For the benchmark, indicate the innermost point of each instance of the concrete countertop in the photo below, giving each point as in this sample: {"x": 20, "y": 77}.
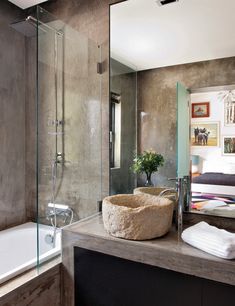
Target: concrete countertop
{"x": 167, "y": 252}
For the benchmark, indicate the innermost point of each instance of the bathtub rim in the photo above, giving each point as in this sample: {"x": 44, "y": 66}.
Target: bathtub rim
{"x": 47, "y": 256}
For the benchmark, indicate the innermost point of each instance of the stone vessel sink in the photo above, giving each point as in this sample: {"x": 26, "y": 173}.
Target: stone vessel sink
{"x": 170, "y": 194}
{"x": 137, "y": 217}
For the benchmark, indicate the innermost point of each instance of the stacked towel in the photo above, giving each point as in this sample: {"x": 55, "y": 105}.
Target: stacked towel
{"x": 210, "y": 239}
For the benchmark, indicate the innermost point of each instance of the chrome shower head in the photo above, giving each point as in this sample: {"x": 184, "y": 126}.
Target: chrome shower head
{"x": 27, "y": 27}
{"x": 24, "y": 27}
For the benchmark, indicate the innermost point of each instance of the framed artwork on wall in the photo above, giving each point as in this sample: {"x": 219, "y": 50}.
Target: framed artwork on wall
{"x": 205, "y": 134}
{"x": 228, "y": 145}
{"x": 201, "y": 110}
{"x": 229, "y": 113}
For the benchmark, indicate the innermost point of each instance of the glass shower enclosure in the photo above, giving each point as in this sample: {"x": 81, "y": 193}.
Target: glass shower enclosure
{"x": 68, "y": 128}
{"x": 62, "y": 136}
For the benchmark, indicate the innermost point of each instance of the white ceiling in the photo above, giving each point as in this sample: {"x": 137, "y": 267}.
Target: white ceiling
{"x": 26, "y": 3}
{"x": 145, "y": 35}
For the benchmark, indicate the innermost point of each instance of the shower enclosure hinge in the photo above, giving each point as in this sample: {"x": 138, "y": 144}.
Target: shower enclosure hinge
{"x": 99, "y": 68}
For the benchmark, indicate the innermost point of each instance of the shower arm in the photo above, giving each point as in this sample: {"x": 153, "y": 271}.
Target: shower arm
{"x": 35, "y": 22}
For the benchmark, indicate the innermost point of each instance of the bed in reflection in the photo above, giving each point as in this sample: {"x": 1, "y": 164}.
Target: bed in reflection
{"x": 214, "y": 193}
{"x": 222, "y": 183}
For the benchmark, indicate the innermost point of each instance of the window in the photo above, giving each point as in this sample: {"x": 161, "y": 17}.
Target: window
{"x": 115, "y": 130}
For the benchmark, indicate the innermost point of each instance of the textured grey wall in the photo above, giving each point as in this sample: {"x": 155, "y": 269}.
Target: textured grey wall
{"x": 157, "y": 87}
{"x": 157, "y": 105}
{"x": 12, "y": 120}
{"x": 30, "y": 128}
{"x": 79, "y": 180}
{"x": 78, "y": 98}
{"x": 91, "y": 18}
{"x": 157, "y": 96}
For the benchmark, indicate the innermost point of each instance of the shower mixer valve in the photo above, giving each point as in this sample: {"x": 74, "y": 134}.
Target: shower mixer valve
{"x": 54, "y": 122}
{"x": 62, "y": 210}
{"x": 60, "y": 207}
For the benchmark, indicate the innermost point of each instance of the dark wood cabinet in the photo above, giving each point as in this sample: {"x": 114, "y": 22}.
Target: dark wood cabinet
{"x": 103, "y": 280}
{"x": 217, "y": 294}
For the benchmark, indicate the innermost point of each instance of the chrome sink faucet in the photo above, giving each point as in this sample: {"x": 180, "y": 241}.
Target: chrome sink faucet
{"x": 168, "y": 190}
{"x": 183, "y": 191}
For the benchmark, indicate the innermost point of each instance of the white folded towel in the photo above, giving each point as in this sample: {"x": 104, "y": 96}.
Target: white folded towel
{"x": 210, "y": 239}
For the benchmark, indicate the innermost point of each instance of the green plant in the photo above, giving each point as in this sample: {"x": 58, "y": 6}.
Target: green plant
{"x": 147, "y": 162}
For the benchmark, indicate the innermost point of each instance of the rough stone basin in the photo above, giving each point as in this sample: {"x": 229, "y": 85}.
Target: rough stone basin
{"x": 137, "y": 217}
{"x": 170, "y": 194}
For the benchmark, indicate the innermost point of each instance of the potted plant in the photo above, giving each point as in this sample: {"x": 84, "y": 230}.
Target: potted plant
{"x": 148, "y": 162}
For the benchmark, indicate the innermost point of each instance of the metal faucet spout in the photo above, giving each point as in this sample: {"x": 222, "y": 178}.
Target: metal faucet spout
{"x": 167, "y": 190}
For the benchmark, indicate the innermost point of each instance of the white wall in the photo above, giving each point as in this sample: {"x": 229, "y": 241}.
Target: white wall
{"x": 211, "y": 158}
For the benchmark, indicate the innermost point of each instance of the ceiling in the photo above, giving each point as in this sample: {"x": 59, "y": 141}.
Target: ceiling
{"x": 145, "y": 35}
{"x": 23, "y": 4}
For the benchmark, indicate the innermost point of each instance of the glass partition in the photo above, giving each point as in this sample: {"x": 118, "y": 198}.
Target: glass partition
{"x": 68, "y": 130}
{"x": 183, "y": 135}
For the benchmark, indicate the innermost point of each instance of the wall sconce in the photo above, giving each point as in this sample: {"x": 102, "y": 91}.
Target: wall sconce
{"x": 195, "y": 159}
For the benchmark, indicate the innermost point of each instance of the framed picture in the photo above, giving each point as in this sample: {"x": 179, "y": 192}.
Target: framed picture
{"x": 228, "y": 145}
{"x": 229, "y": 113}
{"x": 205, "y": 134}
{"x": 201, "y": 110}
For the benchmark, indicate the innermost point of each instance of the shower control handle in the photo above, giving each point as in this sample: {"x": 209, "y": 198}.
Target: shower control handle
{"x": 59, "y": 157}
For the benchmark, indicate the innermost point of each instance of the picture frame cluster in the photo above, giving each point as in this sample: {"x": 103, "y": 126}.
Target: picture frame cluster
{"x": 207, "y": 133}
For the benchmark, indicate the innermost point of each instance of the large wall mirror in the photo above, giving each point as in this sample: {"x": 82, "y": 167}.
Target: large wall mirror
{"x": 212, "y": 150}
{"x": 172, "y": 76}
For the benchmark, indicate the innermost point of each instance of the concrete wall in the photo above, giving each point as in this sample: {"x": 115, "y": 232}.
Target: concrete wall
{"x": 157, "y": 105}
{"x": 157, "y": 94}
{"x": 30, "y": 128}
{"x": 79, "y": 179}
{"x": 85, "y": 177}
{"x": 12, "y": 119}
{"x": 157, "y": 98}
{"x": 91, "y": 18}
{"x": 75, "y": 84}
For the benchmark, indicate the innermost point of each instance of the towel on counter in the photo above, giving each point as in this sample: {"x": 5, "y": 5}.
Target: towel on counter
{"x": 210, "y": 239}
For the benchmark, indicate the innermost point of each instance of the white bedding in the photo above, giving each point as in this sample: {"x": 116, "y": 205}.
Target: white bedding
{"x": 213, "y": 189}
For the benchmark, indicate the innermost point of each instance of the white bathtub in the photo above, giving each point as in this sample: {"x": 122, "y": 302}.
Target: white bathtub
{"x": 18, "y": 248}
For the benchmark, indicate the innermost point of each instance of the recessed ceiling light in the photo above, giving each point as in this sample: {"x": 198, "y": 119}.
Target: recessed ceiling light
{"x": 24, "y": 4}
{"x": 164, "y": 2}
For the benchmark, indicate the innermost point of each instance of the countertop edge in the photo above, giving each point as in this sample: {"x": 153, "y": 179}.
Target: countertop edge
{"x": 164, "y": 256}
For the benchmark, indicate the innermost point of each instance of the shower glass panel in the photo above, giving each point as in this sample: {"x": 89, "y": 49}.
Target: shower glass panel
{"x": 68, "y": 130}
{"x": 183, "y": 135}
